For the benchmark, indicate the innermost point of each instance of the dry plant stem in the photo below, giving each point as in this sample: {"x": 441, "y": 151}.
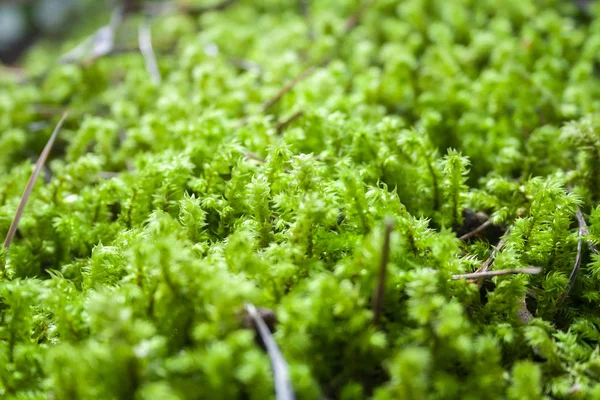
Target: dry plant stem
{"x": 355, "y": 18}
{"x": 31, "y": 183}
{"x": 281, "y": 126}
{"x": 269, "y": 103}
{"x": 254, "y": 156}
{"x": 487, "y": 263}
{"x": 350, "y": 24}
{"x": 145, "y": 42}
{"x": 385, "y": 257}
{"x": 491, "y": 274}
{"x": 172, "y": 7}
{"x": 283, "y": 386}
{"x": 583, "y": 231}
{"x": 477, "y": 230}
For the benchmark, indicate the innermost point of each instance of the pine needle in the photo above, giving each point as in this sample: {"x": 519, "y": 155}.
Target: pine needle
{"x": 283, "y": 386}
{"x": 31, "y": 183}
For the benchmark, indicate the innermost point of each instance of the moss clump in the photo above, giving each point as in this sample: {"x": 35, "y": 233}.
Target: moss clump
{"x": 168, "y": 207}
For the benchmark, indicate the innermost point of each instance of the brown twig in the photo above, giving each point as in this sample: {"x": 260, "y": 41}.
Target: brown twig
{"x": 385, "y": 257}
{"x": 282, "y": 125}
{"x": 500, "y": 272}
{"x": 283, "y": 386}
{"x": 476, "y": 231}
{"x": 30, "y": 184}
{"x": 145, "y": 43}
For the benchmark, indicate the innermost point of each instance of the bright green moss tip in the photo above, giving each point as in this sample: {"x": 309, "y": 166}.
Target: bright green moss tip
{"x": 166, "y": 208}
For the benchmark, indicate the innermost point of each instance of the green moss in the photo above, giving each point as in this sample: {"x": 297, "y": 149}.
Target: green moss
{"x": 167, "y": 208}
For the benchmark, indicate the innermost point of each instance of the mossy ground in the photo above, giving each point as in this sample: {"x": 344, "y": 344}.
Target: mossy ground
{"x": 167, "y": 207}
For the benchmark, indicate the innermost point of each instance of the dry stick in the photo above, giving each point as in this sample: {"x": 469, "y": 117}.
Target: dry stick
{"x": 385, "y": 257}
{"x": 32, "y": 179}
{"x": 500, "y": 272}
{"x": 285, "y": 123}
{"x": 145, "y": 42}
{"x": 283, "y": 386}
{"x": 477, "y": 230}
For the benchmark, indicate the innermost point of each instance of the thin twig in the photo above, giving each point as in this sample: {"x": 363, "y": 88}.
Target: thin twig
{"x": 582, "y": 232}
{"x": 355, "y": 18}
{"x": 500, "y": 272}
{"x": 145, "y": 42}
{"x": 246, "y": 65}
{"x": 269, "y": 103}
{"x": 477, "y": 230}
{"x": 283, "y": 386}
{"x": 385, "y": 258}
{"x": 286, "y": 122}
{"x": 487, "y": 263}
{"x": 254, "y": 156}
{"x": 32, "y": 179}
{"x": 350, "y": 24}
{"x": 172, "y": 7}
